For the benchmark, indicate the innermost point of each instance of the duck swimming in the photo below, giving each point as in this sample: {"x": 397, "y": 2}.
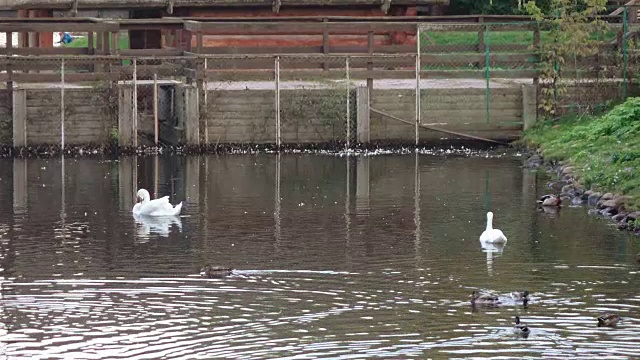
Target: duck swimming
{"x": 608, "y": 319}
{"x": 549, "y": 200}
{"x": 484, "y": 299}
{"x": 520, "y": 328}
{"x": 521, "y": 296}
{"x": 215, "y": 271}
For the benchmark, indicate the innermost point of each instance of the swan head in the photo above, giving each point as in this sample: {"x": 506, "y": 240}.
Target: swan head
{"x": 489, "y": 216}
{"x": 142, "y": 195}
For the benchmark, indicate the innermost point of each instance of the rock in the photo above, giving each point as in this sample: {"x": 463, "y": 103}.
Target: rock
{"x": 593, "y": 212}
{"x": 586, "y": 194}
{"x": 567, "y": 189}
{"x": 567, "y": 170}
{"x": 577, "y": 201}
{"x": 609, "y": 212}
{"x": 622, "y": 226}
{"x": 534, "y": 161}
{"x": 613, "y": 203}
{"x": 557, "y": 185}
{"x": 633, "y": 216}
{"x": 568, "y": 179}
{"x": 619, "y": 217}
{"x": 594, "y": 198}
{"x": 607, "y": 196}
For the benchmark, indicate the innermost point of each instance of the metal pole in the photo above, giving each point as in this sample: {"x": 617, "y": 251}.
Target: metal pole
{"x": 487, "y": 64}
{"x": 417, "y": 85}
{"x": 206, "y": 109}
{"x": 135, "y": 103}
{"x": 62, "y": 109}
{"x": 624, "y": 55}
{"x": 348, "y": 105}
{"x": 155, "y": 107}
{"x": 277, "y": 77}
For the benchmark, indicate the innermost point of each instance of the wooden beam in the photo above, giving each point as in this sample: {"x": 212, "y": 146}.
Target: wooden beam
{"x": 302, "y": 28}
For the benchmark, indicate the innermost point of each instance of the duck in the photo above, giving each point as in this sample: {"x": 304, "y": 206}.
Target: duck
{"x": 490, "y": 234}
{"x": 215, "y": 271}
{"x": 520, "y": 328}
{"x": 608, "y": 319}
{"x": 519, "y": 296}
{"x": 156, "y": 207}
{"x": 484, "y": 299}
{"x": 550, "y": 200}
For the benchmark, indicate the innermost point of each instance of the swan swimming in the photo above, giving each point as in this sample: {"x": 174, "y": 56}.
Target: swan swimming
{"x": 155, "y": 207}
{"x": 490, "y": 234}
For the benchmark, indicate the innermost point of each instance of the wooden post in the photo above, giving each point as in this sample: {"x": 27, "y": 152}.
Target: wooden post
{"x": 277, "y": 100}
{"x": 369, "y": 64}
{"x": 115, "y": 46}
{"x": 90, "y": 45}
{"x": 363, "y": 114}
{"x": 19, "y": 117}
{"x": 325, "y": 44}
{"x": 199, "y": 42}
{"x": 9, "y": 37}
{"x": 529, "y": 105}
{"x": 191, "y": 111}
{"x": 99, "y": 43}
{"x": 125, "y": 115}
{"x": 155, "y": 108}
{"x": 481, "y": 46}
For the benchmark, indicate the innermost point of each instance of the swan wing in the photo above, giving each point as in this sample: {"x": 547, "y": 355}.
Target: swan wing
{"x": 160, "y": 207}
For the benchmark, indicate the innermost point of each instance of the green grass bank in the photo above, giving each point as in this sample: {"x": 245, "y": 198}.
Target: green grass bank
{"x": 604, "y": 150}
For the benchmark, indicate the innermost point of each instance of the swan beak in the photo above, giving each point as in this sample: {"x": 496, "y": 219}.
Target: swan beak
{"x": 138, "y": 199}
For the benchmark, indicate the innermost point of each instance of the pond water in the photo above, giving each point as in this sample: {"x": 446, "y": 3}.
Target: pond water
{"x": 336, "y": 257}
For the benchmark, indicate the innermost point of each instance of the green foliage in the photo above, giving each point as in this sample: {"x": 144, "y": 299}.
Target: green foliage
{"x": 574, "y": 32}
{"x": 498, "y": 7}
{"x": 605, "y": 150}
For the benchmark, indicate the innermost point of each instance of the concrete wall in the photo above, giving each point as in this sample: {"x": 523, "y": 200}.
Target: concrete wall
{"x": 88, "y": 116}
{"x": 307, "y": 116}
{"x": 461, "y": 110}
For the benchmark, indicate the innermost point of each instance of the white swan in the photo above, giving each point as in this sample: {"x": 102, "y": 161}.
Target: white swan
{"x": 160, "y": 225}
{"x": 155, "y": 207}
{"x": 490, "y": 234}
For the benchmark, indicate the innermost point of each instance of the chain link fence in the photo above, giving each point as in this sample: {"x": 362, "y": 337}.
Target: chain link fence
{"x": 463, "y": 81}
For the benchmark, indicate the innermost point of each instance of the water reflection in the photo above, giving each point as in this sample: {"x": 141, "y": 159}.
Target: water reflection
{"x": 336, "y": 257}
{"x": 160, "y": 225}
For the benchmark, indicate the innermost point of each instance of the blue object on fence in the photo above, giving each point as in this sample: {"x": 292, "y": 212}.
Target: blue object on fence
{"x": 66, "y": 38}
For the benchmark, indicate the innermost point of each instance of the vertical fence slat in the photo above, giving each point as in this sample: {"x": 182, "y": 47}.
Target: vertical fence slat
{"x": 418, "y": 66}
{"x": 62, "y": 108}
{"x": 277, "y": 80}
{"x": 134, "y": 101}
{"x": 155, "y": 108}
{"x": 348, "y": 104}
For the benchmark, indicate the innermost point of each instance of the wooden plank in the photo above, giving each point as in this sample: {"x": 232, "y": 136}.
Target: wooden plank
{"x": 55, "y": 78}
{"x": 301, "y": 28}
{"x": 151, "y": 52}
{"x": 32, "y": 51}
{"x": 55, "y": 26}
{"x": 261, "y": 50}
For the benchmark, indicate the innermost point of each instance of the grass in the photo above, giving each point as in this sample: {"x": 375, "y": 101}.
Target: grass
{"x": 604, "y": 150}
{"x": 83, "y": 42}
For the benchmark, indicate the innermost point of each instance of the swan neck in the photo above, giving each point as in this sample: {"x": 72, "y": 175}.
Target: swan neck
{"x": 489, "y": 222}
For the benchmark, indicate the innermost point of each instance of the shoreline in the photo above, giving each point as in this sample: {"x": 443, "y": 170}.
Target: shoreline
{"x": 565, "y": 184}
{"x": 444, "y": 146}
